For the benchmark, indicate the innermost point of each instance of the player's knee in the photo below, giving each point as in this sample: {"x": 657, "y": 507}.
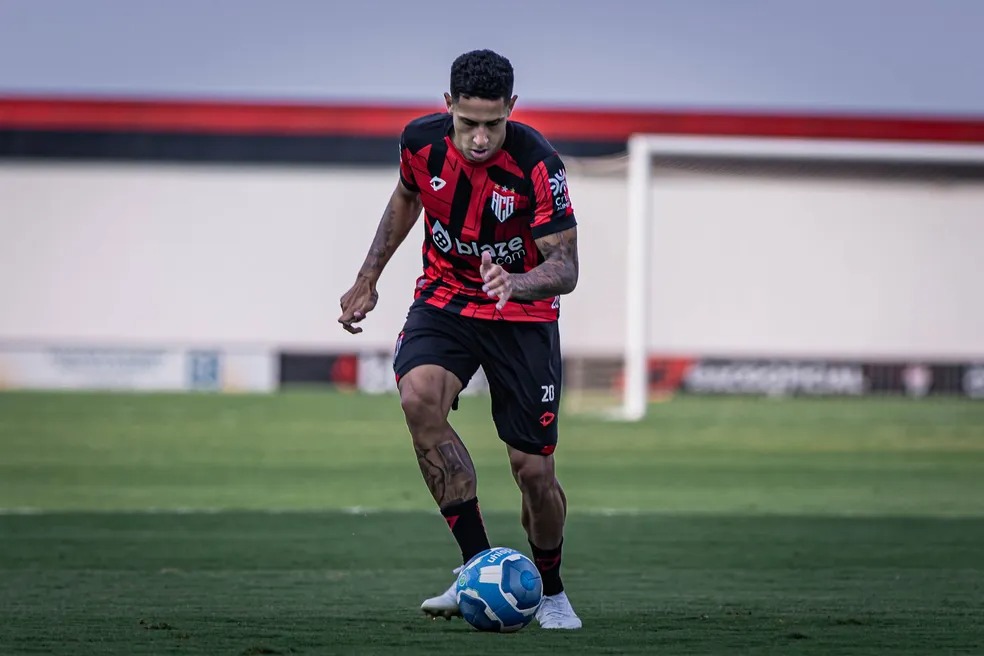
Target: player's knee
{"x": 421, "y": 407}
{"x": 534, "y": 474}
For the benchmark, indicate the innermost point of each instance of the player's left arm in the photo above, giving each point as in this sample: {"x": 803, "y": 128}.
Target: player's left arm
{"x": 556, "y": 275}
{"x": 555, "y": 233}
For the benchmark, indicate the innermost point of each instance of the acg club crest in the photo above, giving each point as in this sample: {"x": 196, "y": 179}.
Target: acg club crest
{"x": 503, "y": 204}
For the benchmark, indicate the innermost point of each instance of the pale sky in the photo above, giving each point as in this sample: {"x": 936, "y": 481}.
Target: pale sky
{"x": 883, "y": 56}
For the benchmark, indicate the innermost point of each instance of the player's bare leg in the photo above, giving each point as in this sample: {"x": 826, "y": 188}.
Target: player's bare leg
{"x": 544, "y": 508}
{"x": 426, "y": 394}
{"x": 544, "y": 512}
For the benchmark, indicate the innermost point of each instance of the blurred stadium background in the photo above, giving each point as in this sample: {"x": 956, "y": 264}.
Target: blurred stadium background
{"x": 195, "y": 458}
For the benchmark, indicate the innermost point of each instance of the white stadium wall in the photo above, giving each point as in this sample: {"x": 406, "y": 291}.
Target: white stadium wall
{"x": 807, "y": 266}
{"x": 256, "y": 257}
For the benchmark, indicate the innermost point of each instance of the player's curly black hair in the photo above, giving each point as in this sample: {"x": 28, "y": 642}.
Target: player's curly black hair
{"x": 481, "y": 74}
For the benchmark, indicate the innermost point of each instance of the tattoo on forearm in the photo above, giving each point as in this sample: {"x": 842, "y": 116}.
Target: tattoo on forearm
{"x": 398, "y": 217}
{"x": 381, "y": 248}
{"x": 448, "y": 472}
{"x": 557, "y": 274}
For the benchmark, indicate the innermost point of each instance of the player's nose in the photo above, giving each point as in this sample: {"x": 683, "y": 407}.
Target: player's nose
{"x": 481, "y": 137}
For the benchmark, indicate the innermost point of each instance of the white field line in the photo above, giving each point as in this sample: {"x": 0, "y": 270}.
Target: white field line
{"x": 355, "y": 510}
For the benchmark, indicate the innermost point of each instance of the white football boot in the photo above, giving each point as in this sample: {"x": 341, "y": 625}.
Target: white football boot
{"x": 556, "y": 612}
{"x": 444, "y": 605}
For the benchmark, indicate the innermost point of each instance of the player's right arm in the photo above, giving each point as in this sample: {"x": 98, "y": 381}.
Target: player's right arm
{"x": 399, "y": 217}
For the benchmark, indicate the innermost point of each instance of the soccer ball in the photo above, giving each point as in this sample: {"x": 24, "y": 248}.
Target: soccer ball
{"x": 499, "y": 590}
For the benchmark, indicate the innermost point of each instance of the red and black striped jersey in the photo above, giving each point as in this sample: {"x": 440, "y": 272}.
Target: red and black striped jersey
{"x": 501, "y": 205}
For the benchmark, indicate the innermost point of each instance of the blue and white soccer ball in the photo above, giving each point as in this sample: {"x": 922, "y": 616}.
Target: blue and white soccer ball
{"x": 499, "y": 590}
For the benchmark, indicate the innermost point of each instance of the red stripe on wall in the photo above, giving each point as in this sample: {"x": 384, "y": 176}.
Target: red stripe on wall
{"x": 382, "y": 120}
{"x": 204, "y": 117}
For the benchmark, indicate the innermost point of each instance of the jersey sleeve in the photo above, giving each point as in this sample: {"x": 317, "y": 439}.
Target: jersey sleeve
{"x": 553, "y": 211}
{"x": 406, "y": 169}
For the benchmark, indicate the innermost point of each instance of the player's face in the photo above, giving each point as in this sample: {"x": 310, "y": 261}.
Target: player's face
{"x": 479, "y": 125}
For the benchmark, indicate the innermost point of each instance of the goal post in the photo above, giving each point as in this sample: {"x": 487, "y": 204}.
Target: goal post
{"x": 644, "y": 151}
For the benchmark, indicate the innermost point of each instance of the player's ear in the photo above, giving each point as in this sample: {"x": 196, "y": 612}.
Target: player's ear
{"x": 511, "y": 104}
{"x": 448, "y": 101}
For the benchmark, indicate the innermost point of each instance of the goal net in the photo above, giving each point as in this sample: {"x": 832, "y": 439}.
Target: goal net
{"x": 754, "y": 265}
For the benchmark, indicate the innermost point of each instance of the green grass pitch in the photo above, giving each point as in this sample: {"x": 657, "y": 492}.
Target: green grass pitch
{"x": 298, "y": 523}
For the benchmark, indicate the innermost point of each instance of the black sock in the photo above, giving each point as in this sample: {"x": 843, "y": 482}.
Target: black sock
{"x": 465, "y": 521}
{"x": 548, "y": 562}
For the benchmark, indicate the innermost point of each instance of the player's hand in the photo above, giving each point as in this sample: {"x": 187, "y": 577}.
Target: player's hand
{"x": 497, "y": 280}
{"x": 356, "y": 304}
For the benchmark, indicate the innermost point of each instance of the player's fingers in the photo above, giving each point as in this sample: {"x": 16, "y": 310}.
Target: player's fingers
{"x": 503, "y": 290}
{"x": 351, "y": 317}
{"x": 348, "y": 324}
{"x": 493, "y": 277}
{"x": 489, "y": 270}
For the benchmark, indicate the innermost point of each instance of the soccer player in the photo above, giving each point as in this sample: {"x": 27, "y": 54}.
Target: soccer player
{"x": 500, "y": 248}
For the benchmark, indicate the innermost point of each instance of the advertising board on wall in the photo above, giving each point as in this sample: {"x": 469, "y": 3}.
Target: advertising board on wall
{"x": 61, "y": 367}
{"x": 810, "y": 377}
{"x": 67, "y": 367}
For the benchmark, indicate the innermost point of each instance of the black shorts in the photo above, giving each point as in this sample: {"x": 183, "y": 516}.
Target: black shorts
{"x": 521, "y": 361}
